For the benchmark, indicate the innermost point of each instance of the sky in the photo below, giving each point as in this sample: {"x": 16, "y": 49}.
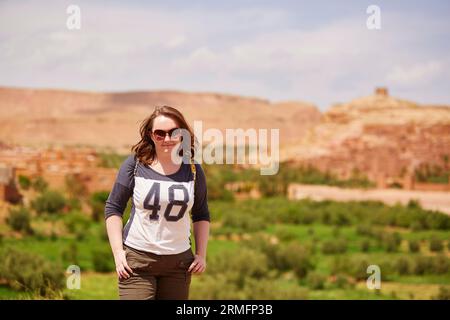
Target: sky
{"x": 315, "y": 51}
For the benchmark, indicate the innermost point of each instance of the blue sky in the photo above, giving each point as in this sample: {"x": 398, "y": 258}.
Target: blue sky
{"x": 314, "y": 51}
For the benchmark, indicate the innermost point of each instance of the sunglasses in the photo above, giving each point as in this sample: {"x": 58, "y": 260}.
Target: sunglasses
{"x": 161, "y": 134}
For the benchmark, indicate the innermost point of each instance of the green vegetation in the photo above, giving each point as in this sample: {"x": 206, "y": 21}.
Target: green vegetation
{"x": 97, "y": 202}
{"x": 39, "y": 184}
{"x": 19, "y": 220}
{"x": 24, "y": 182}
{"x": 49, "y": 202}
{"x": 434, "y": 173}
{"x": 29, "y": 272}
{"x": 270, "y": 248}
{"x": 111, "y": 160}
{"x": 273, "y": 186}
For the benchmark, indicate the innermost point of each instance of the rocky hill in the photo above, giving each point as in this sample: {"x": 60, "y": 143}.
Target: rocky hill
{"x": 377, "y": 135}
{"x": 56, "y": 117}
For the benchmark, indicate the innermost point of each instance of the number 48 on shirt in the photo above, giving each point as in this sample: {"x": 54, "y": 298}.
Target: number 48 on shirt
{"x": 154, "y": 206}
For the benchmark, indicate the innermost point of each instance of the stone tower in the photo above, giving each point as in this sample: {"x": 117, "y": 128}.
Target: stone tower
{"x": 381, "y": 91}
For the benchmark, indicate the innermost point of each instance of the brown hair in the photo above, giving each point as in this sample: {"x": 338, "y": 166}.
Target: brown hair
{"x": 145, "y": 149}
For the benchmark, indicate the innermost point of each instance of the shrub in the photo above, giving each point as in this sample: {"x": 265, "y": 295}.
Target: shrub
{"x": 24, "y": 182}
{"x": 364, "y": 230}
{"x": 246, "y": 222}
{"x": 403, "y": 266}
{"x": 444, "y": 293}
{"x": 285, "y": 235}
{"x": 102, "y": 260}
{"x": 365, "y": 245}
{"x": 19, "y": 220}
{"x": 39, "y": 184}
{"x": 340, "y": 219}
{"x": 216, "y": 287}
{"x": 77, "y": 222}
{"x": 239, "y": 266}
{"x": 334, "y": 246}
{"x": 431, "y": 265}
{"x": 359, "y": 269}
{"x": 30, "y": 272}
{"x": 341, "y": 281}
{"x": 50, "y": 202}
{"x": 422, "y": 265}
{"x": 414, "y": 246}
{"x": 97, "y": 203}
{"x": 413, "y": 204}
{"x": 440, "y": 265}
{"x": 70, "y": 254}
{"x": 336, "y": 231}
{"x": 392, "y": 241}
{"x": 266, "y": 289}
{"x": 73, "y": 204}
{"x": 306, "y": 217}
{"x": 436, "y": 245}
{"x": 293, "y": 257}
{"x": 316, "y": 281}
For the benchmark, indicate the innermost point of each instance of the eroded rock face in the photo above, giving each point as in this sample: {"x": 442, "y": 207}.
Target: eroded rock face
{"x": 377, "y": 135}
{"x": 59, "y": 117}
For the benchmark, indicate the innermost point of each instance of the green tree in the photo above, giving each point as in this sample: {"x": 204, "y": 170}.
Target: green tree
{"x": 39, "y": 184}
{"x": 97, "y": 203}
{"x": 24, "y": 182}
{"x": 50, "y": 202}
{"x": 19, "y": 220}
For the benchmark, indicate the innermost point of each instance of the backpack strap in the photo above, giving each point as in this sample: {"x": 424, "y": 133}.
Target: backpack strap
{"x": 134, "y": 172}
{"x": 194, "y": 172}
{"x": 135, "y": 167}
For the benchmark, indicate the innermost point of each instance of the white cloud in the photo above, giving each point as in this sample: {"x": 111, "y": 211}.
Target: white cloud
{"x": 416, "y": 74}
{"x": 250, "y": 51}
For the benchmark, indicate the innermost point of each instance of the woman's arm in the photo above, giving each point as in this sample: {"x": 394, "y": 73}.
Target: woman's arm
{"x": 114, "y": 230}
{"x": 114, "y": 208}
{"x": 201, "y": 234}
{"x": 200, "y": 219}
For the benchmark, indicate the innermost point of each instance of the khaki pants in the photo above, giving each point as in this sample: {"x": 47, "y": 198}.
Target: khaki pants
{"x": 156, "y": 277}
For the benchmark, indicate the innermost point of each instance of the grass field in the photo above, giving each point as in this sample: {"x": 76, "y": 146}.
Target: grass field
{"x": 234, "y": 251}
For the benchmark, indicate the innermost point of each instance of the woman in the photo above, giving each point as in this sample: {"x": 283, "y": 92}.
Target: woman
{"x": 153, "y": 253}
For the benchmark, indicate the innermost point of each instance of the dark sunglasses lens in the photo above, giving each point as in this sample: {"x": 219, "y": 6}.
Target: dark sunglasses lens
{"x": 160, "y": 134}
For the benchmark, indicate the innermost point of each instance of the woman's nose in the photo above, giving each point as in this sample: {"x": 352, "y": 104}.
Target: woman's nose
{"x": 167, "y": 137}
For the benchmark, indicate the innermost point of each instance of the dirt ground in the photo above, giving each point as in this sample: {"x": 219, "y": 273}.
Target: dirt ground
{"x": 432, "y": 200}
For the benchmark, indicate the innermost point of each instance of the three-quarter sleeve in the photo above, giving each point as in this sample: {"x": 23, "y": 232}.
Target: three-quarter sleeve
{"x": 200, "y": 210}
{"x": 122, "y": 189}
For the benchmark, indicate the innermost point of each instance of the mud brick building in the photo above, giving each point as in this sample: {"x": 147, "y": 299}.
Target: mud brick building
{"x": 8, "y": 189}
{"x": 55, "y": 164}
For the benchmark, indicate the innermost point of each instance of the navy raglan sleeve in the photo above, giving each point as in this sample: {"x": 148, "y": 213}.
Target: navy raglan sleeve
{"x": 200, "y": 210}
{"x": 122, "y": 189}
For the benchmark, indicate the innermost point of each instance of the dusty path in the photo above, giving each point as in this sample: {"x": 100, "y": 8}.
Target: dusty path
{"x": 432, "y": 200}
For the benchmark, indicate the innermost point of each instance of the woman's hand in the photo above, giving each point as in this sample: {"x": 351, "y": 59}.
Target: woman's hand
{"x": 122, "y": 267}
{"x": 198, "y": 266}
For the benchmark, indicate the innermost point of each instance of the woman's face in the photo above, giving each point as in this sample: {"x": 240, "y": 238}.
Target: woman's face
{"x": 162, "y": 126}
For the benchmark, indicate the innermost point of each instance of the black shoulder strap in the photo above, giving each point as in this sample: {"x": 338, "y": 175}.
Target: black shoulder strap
{"x": 194, "y": 172}
{"x": 135, "y": 167}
